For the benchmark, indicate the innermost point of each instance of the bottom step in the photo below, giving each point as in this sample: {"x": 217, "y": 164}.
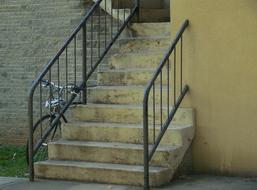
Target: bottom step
{"x": 101, "y": 172}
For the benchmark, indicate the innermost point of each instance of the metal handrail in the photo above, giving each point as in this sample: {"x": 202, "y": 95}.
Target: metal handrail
{"x": 37, "y": 84}
{"x": 151, "y": 86}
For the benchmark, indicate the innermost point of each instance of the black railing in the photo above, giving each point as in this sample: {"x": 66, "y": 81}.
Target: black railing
{"x": 75, "y": 64}
{"x": 167, "y": 92}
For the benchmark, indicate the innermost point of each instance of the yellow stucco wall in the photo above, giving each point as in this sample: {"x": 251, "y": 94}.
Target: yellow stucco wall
{"x": 220, "y": 49}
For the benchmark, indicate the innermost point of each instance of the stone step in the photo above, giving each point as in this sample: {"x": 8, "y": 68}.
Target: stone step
{"x": 111, "y": 152}
{"x": 176, "y": 135}
{"x": 161, "y": 29}
{"x": 101, "y": 172}
{"x": 127, "y": 95}
{"x": 132, "y": 114}
{"x": 129, "y": 77}
{"x": 135, "y": 60}
{"x": 116, "y": 94}
{"x": 144, "y": 44}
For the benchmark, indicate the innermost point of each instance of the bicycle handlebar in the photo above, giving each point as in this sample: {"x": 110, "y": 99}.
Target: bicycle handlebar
{"x": 74, "y": 88}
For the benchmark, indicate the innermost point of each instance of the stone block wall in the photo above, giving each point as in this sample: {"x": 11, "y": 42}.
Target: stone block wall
{"x": 31, "y": 32}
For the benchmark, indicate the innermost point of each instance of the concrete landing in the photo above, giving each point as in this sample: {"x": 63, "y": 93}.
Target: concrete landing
{"x": 195, "y": 182}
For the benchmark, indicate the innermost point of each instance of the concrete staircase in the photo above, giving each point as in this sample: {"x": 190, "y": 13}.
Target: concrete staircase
{"x": 103, "y": 142}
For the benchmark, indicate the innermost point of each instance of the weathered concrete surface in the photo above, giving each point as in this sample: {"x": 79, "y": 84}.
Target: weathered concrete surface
{"x": 114, "y": 132}
{"x": 196, "y": 182}
{"x": 111, "y": 152}
{"x": 102, "y": 172}
{"x": 126, "y": 114}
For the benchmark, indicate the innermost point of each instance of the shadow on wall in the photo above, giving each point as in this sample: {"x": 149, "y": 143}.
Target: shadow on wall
{"x": 157, "y": 4}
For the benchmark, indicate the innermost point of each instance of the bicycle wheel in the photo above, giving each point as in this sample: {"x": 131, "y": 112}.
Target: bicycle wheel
{"x": 40, "y": 127}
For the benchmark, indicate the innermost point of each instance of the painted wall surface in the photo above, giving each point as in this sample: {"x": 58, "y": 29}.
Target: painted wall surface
{"x": 220, "y": 53}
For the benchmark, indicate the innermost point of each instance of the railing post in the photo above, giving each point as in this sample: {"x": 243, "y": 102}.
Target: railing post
{"x": 146, "y": 150}
{"x": 30, "y": 116}
{"x": 84, "y": 62}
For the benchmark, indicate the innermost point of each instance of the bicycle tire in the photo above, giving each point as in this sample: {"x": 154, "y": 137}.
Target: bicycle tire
{"x": 55, "y": 134}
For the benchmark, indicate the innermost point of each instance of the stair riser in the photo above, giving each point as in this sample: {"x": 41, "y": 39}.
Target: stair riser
{"x": 126, "y": 96}
{"x": 137, "y": 45}
{"x": 127, "y": 115}
{"x": 123, "y": 78}
{"x": 135, "y": 61}
{"x": 129, "y": 78}
{"x": 173, "y": 137}
{"x": 100, "y": 175}
{"x": 109, "y": 155}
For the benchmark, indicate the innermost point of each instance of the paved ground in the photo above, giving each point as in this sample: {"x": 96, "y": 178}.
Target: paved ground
{"x": 196, "y": 182}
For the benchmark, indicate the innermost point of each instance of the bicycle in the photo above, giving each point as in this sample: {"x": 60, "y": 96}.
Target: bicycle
{"x": 54, "y": 105}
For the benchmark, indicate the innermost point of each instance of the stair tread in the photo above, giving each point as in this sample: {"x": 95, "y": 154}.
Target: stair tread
{"x": 127, "y": 70}
{"x": 116, "y": 145}
{"x": 121, "y": 106}
{"x": 123, "y": 87}
{"x": 140, "y": 53}
{"x": 153, "y": 24}
{"x": 137, "y": 87}
{"x": 97, "y": 165}
{"x": 143, "y": 53}
{"x": 120, "y": 125}
{"x": 153, "y": 38}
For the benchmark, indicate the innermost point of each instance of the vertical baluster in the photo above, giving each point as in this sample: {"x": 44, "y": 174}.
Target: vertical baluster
{"x": 181, "y": 63}
{"x": 154, "y": 127}
{"x": 168, "y": 86}
{"x": 174, "y": 76}
{"x": 161, "y": 98}
{"x": 105, "y": 25}
{"x": 84, "y": 64}
{"x": 50, "y": 89}
{"x": 58, "y": 81}
{"x": 99, "y": 32}
{"x": 40, "y": 107}
{"x": 91, "y": 53}
{"x": 66, "y": 71}
{"x": 75, "y": 61}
